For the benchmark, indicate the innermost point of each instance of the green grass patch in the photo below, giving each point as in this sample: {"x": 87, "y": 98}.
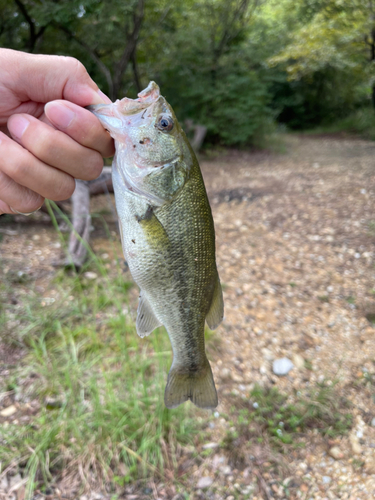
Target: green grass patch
{"x": 269, "y": 417}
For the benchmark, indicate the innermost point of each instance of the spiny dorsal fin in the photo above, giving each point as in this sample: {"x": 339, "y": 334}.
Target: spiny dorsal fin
{"x": 216, "y": 312}
{"x": 146, "y": 319}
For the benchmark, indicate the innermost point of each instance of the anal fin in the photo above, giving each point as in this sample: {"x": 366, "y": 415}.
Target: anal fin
{"x": 146, "y": 319}
{"x": 216, "y": 312}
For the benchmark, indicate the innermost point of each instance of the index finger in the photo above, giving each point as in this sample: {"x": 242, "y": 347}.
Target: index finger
{"x": 80, "y": 125}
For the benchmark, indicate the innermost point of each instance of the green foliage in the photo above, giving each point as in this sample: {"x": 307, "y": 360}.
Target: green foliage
{"x": 327, "y": 62}
{"x": 234, "y": 66}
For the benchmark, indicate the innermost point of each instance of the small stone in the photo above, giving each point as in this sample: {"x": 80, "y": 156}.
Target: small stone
{"x": 373, "y": 422}
{"x": 298, "y": 361}
{"x": 8, "y": 412}
{"x": 225, "y": 373}
{"x": 336, "y": 453}
{"x": 326, "y": 479}
{"x": 356, "y": 447}
{"x": 210, "y": 446}
{"x": 204, "y": 482}
{"x": 226, "y": 470}
{"x": 282, "y": 366}
{"x": 90, "y": 275}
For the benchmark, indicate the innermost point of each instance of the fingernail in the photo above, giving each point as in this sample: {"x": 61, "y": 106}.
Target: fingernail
{"x": 105, "y": 98}
{"x": 17, "y": 126}
{"x": 59, "y": 115}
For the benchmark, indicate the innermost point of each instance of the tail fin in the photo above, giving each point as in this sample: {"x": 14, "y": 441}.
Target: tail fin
{"x": 197, "y": 386}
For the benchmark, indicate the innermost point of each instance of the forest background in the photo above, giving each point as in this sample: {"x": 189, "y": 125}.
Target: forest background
{"x": 241, "y": 68}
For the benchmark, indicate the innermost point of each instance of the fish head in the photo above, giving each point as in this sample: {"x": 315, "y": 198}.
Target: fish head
{"x": 149, "y": 142}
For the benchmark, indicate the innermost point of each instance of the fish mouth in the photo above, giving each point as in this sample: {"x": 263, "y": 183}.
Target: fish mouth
{"x": 115, "y": 117}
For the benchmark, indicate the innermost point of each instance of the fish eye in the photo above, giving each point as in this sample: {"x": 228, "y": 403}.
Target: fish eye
{"x": 165, "y": 122}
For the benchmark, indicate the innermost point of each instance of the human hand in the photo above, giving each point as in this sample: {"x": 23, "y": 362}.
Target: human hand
{"x": 47, "y": 138}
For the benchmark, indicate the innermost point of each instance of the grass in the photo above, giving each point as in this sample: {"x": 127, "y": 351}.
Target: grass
{"x": 90, "y": 391}
{"x": 268, "y": 417}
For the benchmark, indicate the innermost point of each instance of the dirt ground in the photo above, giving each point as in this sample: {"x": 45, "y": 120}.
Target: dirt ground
{"x": 295, "y": 251}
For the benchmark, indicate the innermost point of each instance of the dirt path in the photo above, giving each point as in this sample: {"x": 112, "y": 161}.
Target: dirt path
{"x": 295, "y": 251}
{"x": 296, "y": 242}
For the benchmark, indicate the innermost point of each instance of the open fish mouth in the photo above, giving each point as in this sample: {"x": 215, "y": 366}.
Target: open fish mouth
{"x": 113, "y": 116}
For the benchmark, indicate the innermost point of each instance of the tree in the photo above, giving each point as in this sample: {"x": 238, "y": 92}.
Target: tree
{"x": 332, "y": 51}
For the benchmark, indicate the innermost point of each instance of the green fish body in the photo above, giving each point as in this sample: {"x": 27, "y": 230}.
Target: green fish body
{"x": 168, "y": 237}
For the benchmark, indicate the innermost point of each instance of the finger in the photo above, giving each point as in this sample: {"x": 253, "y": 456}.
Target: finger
{"x": 43, "y": 78}
{"x": 55, "y": 148}
{"x": 81, "y": 125}
{"x": 18, "y": 197}
{"x": 28, "y": 171}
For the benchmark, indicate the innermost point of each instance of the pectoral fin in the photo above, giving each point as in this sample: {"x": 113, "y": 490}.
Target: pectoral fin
{"x": 154, "y": 231}
{"x": 146, "y": 319}
{"x": 216, "y": 312}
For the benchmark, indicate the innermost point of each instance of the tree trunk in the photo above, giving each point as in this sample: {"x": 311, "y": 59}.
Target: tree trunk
{"x": 103, "y": 184}
{"x": 372, "y": 60}
{"x": 81, "y": 220}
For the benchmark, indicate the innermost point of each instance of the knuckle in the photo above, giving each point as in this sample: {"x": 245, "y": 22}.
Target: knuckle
{"x": 94, "y": 166}
{"x": 74, "y": 64}
{"x": 76, "y": 68}
{"x": 18, "y": 171}
{"x": 42, "y": 138}
{"x": 65, "y": 189}
{"x": 5, "y": 182}
{"x": 32, "y": 202}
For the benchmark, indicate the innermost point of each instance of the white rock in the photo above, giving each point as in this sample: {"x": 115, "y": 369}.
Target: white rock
{"x": 204, "y": 482}
{"x": 226, "y": 470}
{"x": 326, "y": 479}
{"x": 90, "y": 275}
{"x": 282, "y": 366}
{"x": 356, "y": 447}
{"x": 9, "y": 411}
{"x": 335, "y": 453}
{"x": 298, "y": 361}
{"x": 210, "y": 446}
{"x": 373, "y": 422}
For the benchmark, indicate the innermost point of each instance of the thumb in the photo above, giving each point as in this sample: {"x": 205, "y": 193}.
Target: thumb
{"x": 43, "y": 78}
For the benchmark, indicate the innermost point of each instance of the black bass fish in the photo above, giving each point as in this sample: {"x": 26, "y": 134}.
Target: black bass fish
{"x": 167, "y": 235}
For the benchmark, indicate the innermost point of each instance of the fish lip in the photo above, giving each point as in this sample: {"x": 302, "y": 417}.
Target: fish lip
{"x": 108, "y": 116}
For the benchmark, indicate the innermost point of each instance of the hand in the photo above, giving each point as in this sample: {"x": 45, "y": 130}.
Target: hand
{"x": 47, "y": 138}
